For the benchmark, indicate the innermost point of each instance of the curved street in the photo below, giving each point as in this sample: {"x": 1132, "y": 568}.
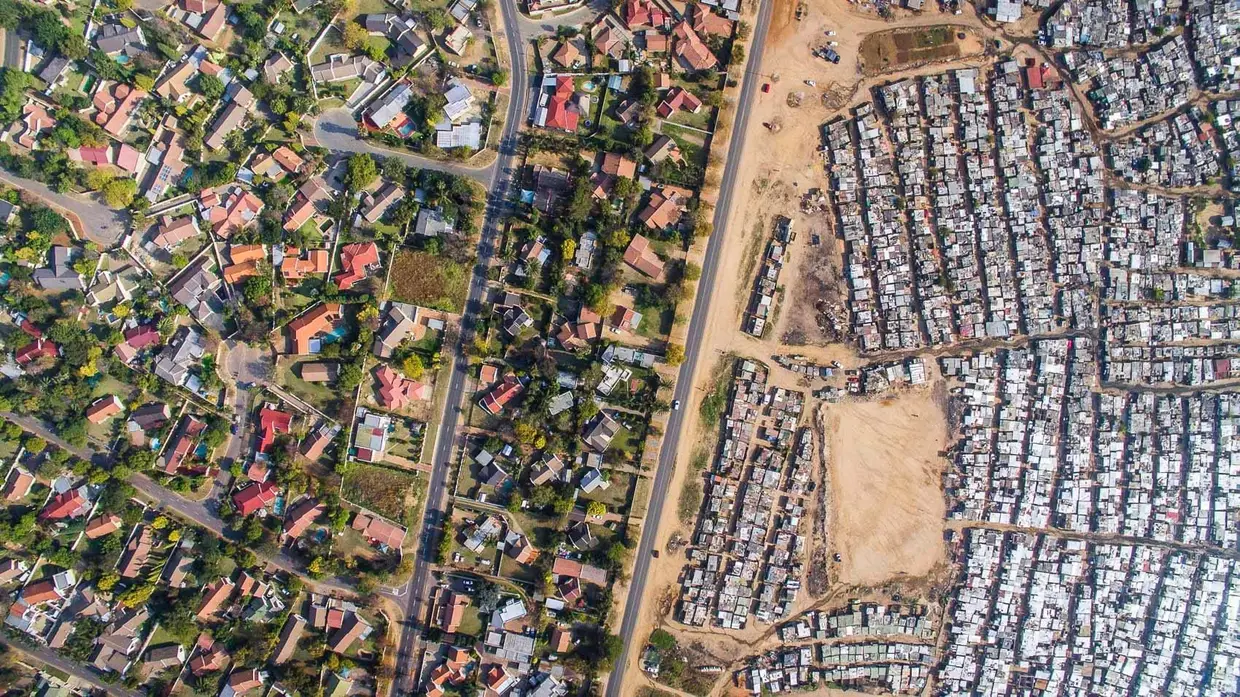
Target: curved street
{"x": 102, "y": 225}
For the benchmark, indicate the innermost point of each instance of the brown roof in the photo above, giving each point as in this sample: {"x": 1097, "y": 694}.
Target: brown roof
{"x": 642, "y": 257}
{"x": 217, "y": 593}
{"x": 347, "y": 634}
{"x": 103, "y": 525}
{"x": 691, "y": 50}
{"x": 663, "y": 210}
{"x": 289, "y": 636}
{"x": 309, "y": 324}
{"x": 618, "y": 165}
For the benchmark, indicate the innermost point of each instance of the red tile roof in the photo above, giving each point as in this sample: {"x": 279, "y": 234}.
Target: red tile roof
{"x": 69, "y": 504}
{"x": 355, "y": 260}
{"x": 271, "y": 422}
{"x": 560, "y": 113}
{"x": 254, "y": 497}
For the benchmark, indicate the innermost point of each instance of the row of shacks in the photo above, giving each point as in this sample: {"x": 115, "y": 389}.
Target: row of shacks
{"x": 859, "y": 619}
{"x": 746, "y": 554}
{"x": 1040, "y": 613}
{"x": 1041, "y": 447}
{"x": 766, "y": 285}
{"x": 895, "y": 667}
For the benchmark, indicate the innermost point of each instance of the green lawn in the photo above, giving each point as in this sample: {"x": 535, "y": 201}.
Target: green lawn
{"x": 615, "y": 496}
{"x": 320, "y": 394}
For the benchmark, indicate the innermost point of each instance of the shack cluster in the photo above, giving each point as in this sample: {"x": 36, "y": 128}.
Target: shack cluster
{"x": 746, "y": 554}
{"x": 1058, "y": 615}
{"x": 864, "y": 645}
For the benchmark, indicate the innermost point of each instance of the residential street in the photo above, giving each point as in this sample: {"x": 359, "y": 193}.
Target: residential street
{"x": 42, "y": 654}
{"x": 500, "y": 179}
{"x": 197, "y": 511}
{"x": 103, "y": 225}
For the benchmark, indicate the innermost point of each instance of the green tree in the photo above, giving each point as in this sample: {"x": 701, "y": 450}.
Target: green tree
{"x": 119, "y": 193}
{"x": 360, "y": 172}
{"x": 596, "y": 509}
{"x": 412, "y": 366}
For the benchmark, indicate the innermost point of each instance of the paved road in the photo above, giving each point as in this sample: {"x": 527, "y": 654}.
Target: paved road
{"x": 42, "y": 654}
{"x": 693, "y": 348}
{"x": 335, "y": 129}
{"x": 500, "y": 178}
{"x": 104, "y": 226}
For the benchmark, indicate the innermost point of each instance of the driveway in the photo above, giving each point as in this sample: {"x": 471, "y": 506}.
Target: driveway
{"x": 243, "y": 365}
{"x": 335, "y": 129}
{"x": 101, "y": 224}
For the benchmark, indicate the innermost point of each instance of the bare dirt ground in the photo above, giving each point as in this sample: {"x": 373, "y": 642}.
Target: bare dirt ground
{"x": 884, "y": 463}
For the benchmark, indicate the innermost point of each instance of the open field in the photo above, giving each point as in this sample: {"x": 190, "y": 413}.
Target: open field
{"x": 901, "y": 48}
{"x": 389, "y": 492}
{"x": 429, "y": 281}
{"x": 884, "y": 463}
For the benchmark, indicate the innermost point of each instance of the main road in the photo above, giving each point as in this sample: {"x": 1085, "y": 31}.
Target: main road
{"x": 693, "y": 349}
{"x": 501, "y": 177}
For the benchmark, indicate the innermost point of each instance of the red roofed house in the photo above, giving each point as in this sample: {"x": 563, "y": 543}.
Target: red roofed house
{"x": 17, "y": 484}
{"x": 706, "y": 22}
{"x": 664, "y": 208}
{"x": 301, "y": 516}
{"x": 451, "y": 611}
{"x": 642, "y": 13}
{"x": 104, "y": 408}
{"x": 319, "y": 320}
{"x": 40, "y": 592}
{"x": 679, "y": 98}
{"x": 142, "y": 336}
{"x": 271, "y": 422}
{"x": 209, "y": 656}
{"x": 183, "y": 442}
{"x": 397, "y": 391}
{"x": 344, "y": 637}
{"x": 39, "y": 348}
{"x": 561, "y": 112}
{"x": 68, "y": 504}
{"x": 503, "y": 393}
{"x": 357, "y": 260}
{"x": 641, "y": 256}
{"x": 690, "y": 49}
{"x": 498, "y": 680}
{"x": 295, "y": 267}
{"x": 378, "y": 530}
{"x": 103, "y": 525}
{"x": 239, "y": 209}
{"x": 242, "y": 681}
{"x": 253, "y": 497}
{"x": 115, "y": 106}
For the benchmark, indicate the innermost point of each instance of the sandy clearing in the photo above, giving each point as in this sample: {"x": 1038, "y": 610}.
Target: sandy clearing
{"x": 884, "y": 462}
